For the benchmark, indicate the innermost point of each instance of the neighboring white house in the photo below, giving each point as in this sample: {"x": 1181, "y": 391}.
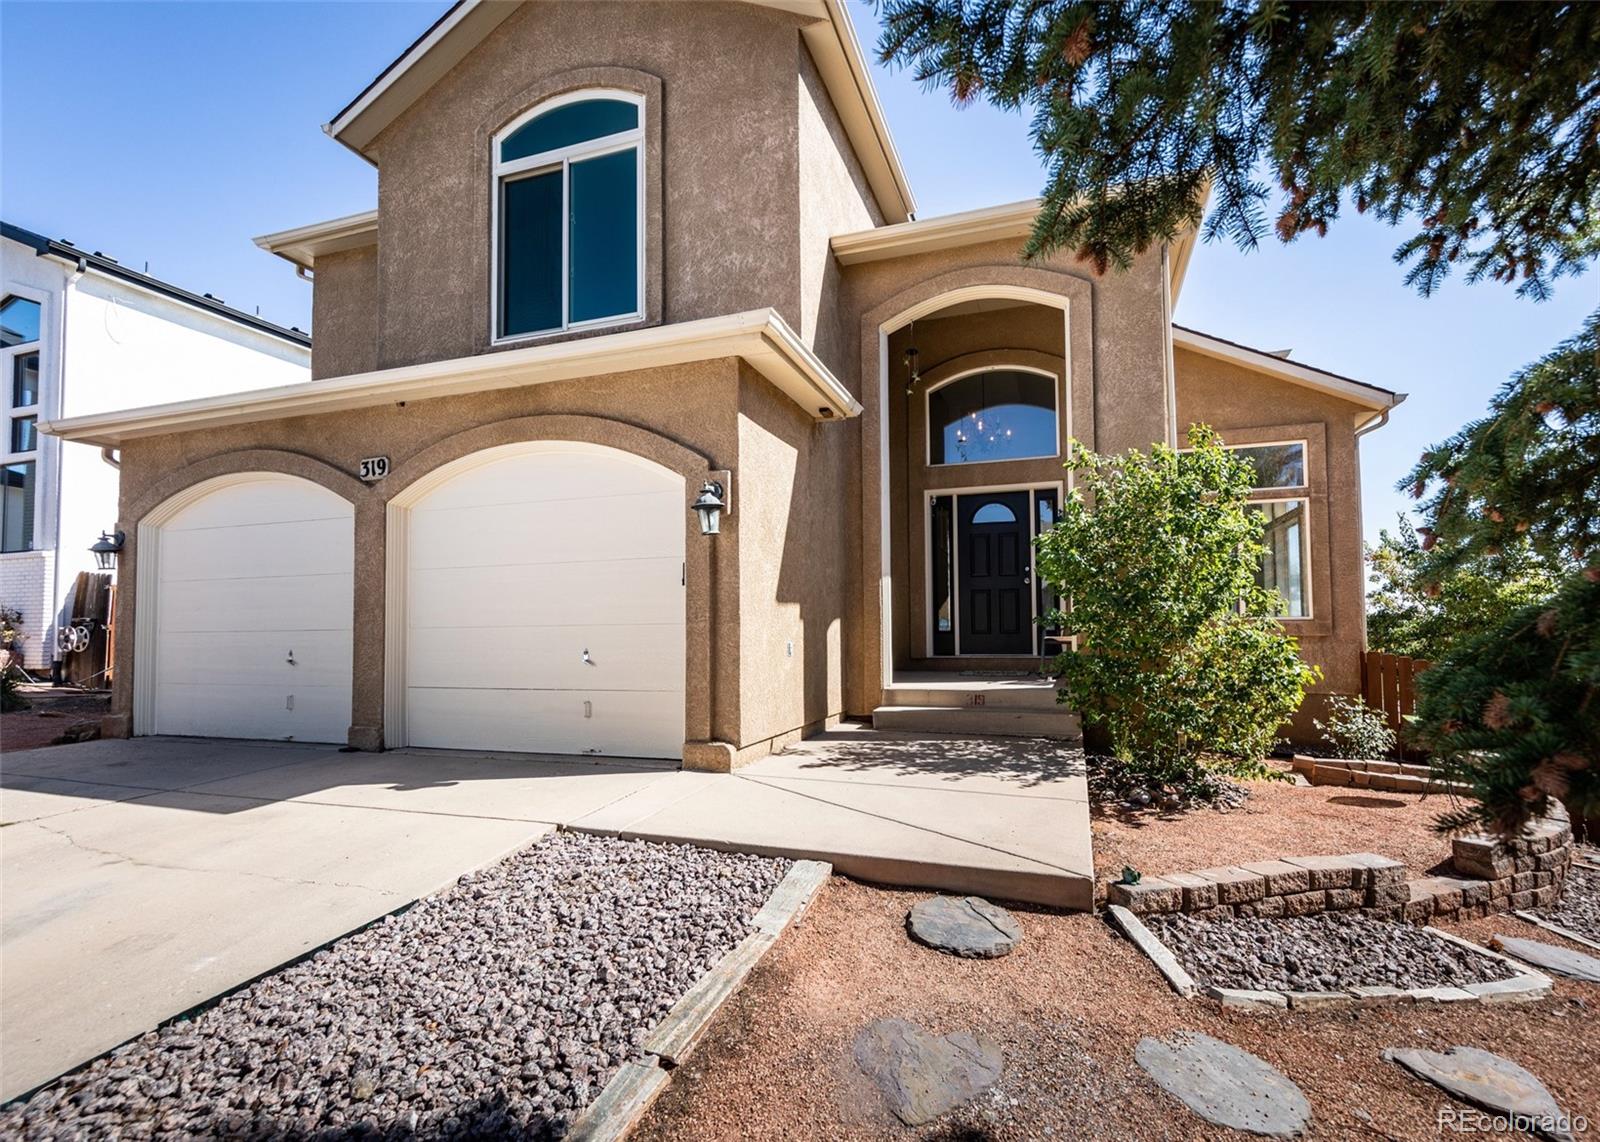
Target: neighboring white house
{"x": 84, "y": 334}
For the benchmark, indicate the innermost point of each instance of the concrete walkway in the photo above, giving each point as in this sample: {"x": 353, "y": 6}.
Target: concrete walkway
{"x": 144, "y": 877}
{"x": 1001, "y": 817}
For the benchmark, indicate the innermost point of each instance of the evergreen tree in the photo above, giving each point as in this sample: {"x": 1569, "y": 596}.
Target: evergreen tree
{"x": 1476, "y": 124}
{"x": 1415, "y": 609}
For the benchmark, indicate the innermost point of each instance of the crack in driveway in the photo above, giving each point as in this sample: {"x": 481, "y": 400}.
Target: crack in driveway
{"x": 138, "y": 862}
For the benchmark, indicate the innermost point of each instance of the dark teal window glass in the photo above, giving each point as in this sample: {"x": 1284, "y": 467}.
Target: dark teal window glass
{"x": 530, "y": 254}
{"x": 605, "y": 236}
{"x": 19, "y": 321}
{"x": 16, "y": 507}
{"x": 25, "y": 380}
{"x": 569, "y": 124}
{"x": 24, "y": 434}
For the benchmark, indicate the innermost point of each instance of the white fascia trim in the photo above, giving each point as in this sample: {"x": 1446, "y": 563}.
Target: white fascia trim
{"x": 1367, "y": 396}
{"x": 970, "y": 227}
{"x": 302, "y": 245}
{"x": 759, "y": 336}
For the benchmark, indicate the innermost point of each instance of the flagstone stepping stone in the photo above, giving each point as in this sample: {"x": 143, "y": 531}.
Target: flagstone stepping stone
{"x": 1488, "y": 1080}
{"x": 1550, "y": 957}
{"x": 1224, "y": 1085}
{"x": 921, "y": 1074}
{"x": 967, "y": 926}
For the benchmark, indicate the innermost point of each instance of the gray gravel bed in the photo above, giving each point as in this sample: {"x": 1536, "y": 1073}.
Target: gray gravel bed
{"x": 1579, "y": 908}
{"x": 495, "y": 1009}
{"x": 1325, "y": 952}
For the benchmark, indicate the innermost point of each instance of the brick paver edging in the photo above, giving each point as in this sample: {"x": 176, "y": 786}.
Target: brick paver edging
{"x": 624, "y": 1100}
{"x": 1523, "y": 987}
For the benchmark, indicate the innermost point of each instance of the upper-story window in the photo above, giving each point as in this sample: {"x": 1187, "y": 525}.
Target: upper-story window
{"x": 569, "y": 232}
{"x": 19, "y": 354}
{"x": 1286, "y": 564}
{"x": 996, "y": 414}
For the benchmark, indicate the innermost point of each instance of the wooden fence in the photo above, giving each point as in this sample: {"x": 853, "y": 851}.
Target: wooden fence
{"x": 1388, "y": 683}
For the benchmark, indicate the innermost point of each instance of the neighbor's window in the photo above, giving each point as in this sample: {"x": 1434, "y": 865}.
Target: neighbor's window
{"x": 24, "y": 433}
{"x": 569, "y": 234}
{"x": 16, "y": 507}
{"x": 1286, "y": 566}
{"x": 25, "y": 380}
{"x": 998, "y": 414}
{"x": 19, "y": 321}
{"x": 1276, "y": 465}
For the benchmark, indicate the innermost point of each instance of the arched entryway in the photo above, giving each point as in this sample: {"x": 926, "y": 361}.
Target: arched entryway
{"x": 537, "y": 604}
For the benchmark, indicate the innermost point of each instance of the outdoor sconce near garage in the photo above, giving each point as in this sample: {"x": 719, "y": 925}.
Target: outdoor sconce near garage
{"x": 106, "y": 549}
{"x": 710, "y": 504}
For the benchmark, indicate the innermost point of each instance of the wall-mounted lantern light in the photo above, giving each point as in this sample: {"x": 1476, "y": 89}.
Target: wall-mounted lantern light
{"x": 710, "y": 504}
{"x": 106, "y": 549}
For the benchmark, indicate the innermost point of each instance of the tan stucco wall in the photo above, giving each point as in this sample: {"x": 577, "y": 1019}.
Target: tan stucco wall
{"x": 344, "y": 314}
{"x": 832, "y": 198}
{"x": 1248, "y": 407}
{"x": 722, "y": 153}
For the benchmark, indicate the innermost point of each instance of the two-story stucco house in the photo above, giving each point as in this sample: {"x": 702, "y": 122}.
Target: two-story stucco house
{"x": 81, "y": 334}
{"x": 627, "y": 257}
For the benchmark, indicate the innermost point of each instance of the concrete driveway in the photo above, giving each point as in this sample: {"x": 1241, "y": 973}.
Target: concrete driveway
{"x": 143, "y": 877}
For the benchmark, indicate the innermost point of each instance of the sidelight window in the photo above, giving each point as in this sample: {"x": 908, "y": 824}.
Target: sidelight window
{"x": 569, "y": 228}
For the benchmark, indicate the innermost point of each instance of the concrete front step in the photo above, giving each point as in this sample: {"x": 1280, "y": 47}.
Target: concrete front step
{"x": 1018, "y": 722}
{"x": 1029, "y": 695}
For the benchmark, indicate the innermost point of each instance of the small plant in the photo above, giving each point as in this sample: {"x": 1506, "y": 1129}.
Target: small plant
{"x": 1355, "y": 730}
{"x": 11, "y": 639}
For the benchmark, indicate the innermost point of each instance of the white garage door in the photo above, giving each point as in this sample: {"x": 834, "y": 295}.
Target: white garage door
{"x": 545, "y": 605}
{"x": 253, "y": 614}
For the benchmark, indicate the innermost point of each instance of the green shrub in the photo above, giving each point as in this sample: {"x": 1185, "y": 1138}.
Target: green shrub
{"x": 1355, "y": 730}
{"x": 1179, "y": 657}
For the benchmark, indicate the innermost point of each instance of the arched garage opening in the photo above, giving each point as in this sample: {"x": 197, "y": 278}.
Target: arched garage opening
{"x": 535, "y": 601}
{"x": 243, "y": 623}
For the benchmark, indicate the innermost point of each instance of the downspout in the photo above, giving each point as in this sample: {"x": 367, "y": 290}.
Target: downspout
{"x": 109, "y": 455}
{"x": 1373, "y": 425}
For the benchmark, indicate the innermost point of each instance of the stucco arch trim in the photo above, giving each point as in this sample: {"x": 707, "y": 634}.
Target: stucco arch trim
{"x": 141, "y": 655}
{"x": 436, "y": 466}
{"x": 1056, "y": 289}
{"x": 642, "y": 83}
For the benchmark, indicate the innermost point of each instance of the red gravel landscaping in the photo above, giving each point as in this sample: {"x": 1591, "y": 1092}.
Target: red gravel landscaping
{"x": 1069, "y": 1005}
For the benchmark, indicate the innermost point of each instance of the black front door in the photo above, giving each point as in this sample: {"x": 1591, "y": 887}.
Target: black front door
{"x": 992, "y": 534}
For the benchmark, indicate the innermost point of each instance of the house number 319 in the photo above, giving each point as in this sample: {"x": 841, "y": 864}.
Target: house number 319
{"x": 374, "y": 468}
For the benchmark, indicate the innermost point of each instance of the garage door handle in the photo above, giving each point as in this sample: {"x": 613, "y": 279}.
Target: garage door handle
{"x": 586, "y": 657}
{"x": 290, "y": 660}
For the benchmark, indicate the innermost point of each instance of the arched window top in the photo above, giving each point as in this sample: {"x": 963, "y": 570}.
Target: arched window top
{"x": 566, "y": 123}
{"x": 995, "y": 414}
{"x": 994, "y": 513}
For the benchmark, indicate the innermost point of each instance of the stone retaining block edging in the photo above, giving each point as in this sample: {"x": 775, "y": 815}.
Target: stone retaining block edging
{"x": 1499, "y": 875}
{"x": 1526, "y": 985}
{"x": 1385, "y": 776}
{"x": 612, "y": 1115}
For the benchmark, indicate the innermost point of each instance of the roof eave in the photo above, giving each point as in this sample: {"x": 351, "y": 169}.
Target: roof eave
{"x": 1360, "y": 393}
{"x": 760, "y": 336}
{"x": 302, "y": 245}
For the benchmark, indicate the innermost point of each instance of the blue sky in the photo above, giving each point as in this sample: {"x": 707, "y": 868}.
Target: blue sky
{"x": 173, "y": 132}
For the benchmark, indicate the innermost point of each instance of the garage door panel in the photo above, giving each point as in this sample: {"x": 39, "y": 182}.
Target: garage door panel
{"x": 257, "y": 658}
{"x": 625, "y": 656}
{"x": 621, "y": 724}
{"x": 308, "y": 602}
{"x": 244, "y": 711}
{"x": 551, "y": 595}
{"x": 615, "y": 527}
{"x": 247, "y": 575}
{"x": 259, "y": 502}
{"x": 260, "y": 550}
{"x": 549, "y": 477}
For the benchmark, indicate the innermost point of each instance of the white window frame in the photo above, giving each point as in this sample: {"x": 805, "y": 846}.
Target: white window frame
{"x": 931, "y": 494}
{"x": 8, "y": 362}
{"x": 1305, "y": 554}
{"x": 927, "y": 414}
{"x": 562, "y": 159}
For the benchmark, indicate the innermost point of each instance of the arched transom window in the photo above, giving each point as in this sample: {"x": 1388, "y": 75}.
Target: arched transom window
{"x": 569, "y": 232}
{"x": 995, "y": 414}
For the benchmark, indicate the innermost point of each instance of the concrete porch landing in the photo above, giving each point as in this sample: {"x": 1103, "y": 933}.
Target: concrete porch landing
{"x": 1006, "y": 818}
